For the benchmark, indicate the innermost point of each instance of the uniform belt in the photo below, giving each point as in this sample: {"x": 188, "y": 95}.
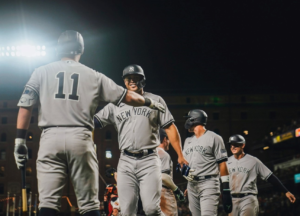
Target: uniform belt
{"x": 198, "y": 178}
{"x": 241, "y": 195}
{"x": 139, "y": 153}
{"x": 87, "y": 127}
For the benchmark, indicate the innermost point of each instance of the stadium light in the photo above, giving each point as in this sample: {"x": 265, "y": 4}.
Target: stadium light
{"x": 25, "y": 50}
{"x": 108, "y": 154}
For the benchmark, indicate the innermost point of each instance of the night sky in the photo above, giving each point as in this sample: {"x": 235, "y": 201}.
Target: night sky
{"x": 182, "y": 46}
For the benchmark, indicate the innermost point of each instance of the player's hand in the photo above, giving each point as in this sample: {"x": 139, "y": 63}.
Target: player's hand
{"x": 190, "y": 176}
{"x": 156, "y": 105}
{"x": 179, "y": 195}
{"x": 227, "y": 201}
{"x": 20, "y": 152}
{"x": 291, "y": 197}
{"x": 185, "y": 192}
{"x": 182, "y": 160}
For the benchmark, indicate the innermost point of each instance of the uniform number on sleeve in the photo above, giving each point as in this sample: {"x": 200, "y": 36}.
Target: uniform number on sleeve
{"x": 61, "y": 80}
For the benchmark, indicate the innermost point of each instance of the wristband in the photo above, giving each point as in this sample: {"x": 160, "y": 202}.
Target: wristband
{"x": 147, "y": 102}
{"x": 225, "y": 178}
{"x": 21, "y": 133}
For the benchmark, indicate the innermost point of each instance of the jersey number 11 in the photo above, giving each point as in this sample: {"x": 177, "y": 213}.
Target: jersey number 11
{"x": 61, "y": 78}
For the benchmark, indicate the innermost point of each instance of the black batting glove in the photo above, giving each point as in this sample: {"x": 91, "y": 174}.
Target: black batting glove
{"x": 179, "y": 195}
{"x": 226, "y": 198}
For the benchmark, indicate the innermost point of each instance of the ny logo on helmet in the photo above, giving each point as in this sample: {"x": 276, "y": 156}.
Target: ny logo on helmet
{"x": 131, "y": 69}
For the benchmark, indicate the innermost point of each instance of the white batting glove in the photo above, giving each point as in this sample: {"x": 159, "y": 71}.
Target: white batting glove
{"x": 157, "y": 106}
{"x": 21, "y": 152}
{"x": 190, "y": 177}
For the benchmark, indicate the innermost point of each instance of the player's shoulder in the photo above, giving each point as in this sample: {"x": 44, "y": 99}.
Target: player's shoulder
{"x": 152, "y": 96}
{"x": 161, "y": 152}
{"x": 230, "y": 158}
{"x": 189, "y": 140}
{"x": 252, "y": 158}
{"x": 214, "y": 136}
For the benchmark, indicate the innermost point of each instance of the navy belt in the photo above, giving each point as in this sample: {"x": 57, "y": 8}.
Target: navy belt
{"x": 139, "y": 153}
{"x": 198, "y": 178}
{"x": 241, "y": 195}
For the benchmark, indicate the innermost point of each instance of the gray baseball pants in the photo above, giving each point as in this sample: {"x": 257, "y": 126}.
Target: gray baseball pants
{"x": 139, "y": 176}
{"x": 204, "y": 197}
{"x": 63, "y": 151}
{"x": 245, "y": 206}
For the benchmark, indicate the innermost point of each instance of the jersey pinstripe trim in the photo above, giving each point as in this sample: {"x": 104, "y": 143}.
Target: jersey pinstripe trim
{"x": 167, "y": 171}
{"x": 123, "y": 95}
{"x": 34, "y": 89}
{"x": 268, "y": 176}
{"x": 167, "y": 123}
{"x": 99, "y": 121}
{"x": 220, "y": 160}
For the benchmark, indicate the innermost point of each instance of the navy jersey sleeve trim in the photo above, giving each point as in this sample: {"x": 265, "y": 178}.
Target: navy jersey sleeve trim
{"x": 167, "y": 171}
{"x": 222, "y": 160}
{"x": 101, "y": 124}
{"x": 123, "y": 95}
{"x": 167, "y": 123}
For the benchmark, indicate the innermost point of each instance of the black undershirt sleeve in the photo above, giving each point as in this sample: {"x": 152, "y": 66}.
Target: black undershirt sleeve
{"x": 277, "y": 183}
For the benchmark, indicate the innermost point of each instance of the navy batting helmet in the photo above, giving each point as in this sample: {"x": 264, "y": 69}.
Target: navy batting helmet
{"x": 70, "y": 43}
{"x": 237, "y": 139}
{"x": 135, "y": 69}
{"x": 195, "y": 117}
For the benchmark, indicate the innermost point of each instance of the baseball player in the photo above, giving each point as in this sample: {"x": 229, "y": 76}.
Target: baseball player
{"x": 205, "y": 151}
{"x": 243, "y": 172}
{"x": 67, "y": 94}
{"x": 168, "y": 202}
{"x": 139, "y": 165}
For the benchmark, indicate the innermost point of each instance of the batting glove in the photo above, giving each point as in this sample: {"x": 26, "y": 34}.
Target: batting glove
{"x": 21, "y": 152}
{"x": 154, "y": 105}
{"x": 179, "y": 195}
{"x": 190, "y": 177}
{"x": 226, "y": 195}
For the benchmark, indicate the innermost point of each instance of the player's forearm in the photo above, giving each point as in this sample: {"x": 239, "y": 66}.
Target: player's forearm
{"x": 174, "y": 138}
{"x": 277, "y": 183}
{"x": 24, "y": 116}
{"x": 133, "y": 99}
{"x": 168, "y": 181}
{"x": 223, "y": 169}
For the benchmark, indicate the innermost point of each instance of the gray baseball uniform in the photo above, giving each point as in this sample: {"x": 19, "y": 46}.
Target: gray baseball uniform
{"x": 138, "y": 129}
{"x": 243, "y": 175}
{"x": 204, "y": 154}
{"x": 168, "y": 202}
{"x": 68, "y": 94}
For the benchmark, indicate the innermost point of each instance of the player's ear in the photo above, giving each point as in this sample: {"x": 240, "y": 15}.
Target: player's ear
{"x": 243, "y": 145}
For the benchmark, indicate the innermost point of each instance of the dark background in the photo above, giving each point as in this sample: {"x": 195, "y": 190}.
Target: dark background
{"x": 182, "y": 46}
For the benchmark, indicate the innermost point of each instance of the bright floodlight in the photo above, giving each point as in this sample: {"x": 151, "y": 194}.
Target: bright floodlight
{"x": 26, "y": 50}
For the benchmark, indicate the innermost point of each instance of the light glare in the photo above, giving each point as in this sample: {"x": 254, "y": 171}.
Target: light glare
{"x": 43, "y": 47}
